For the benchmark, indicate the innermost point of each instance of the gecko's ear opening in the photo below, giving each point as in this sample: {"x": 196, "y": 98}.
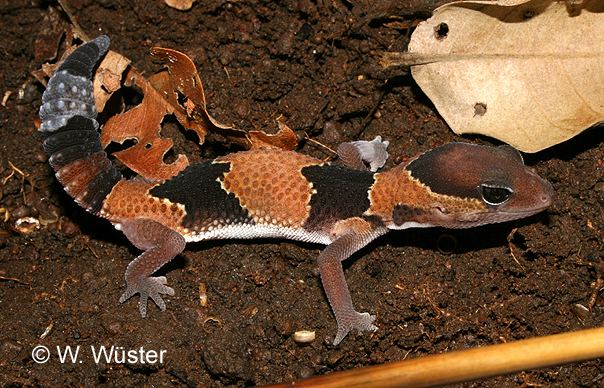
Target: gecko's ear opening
{"x": 512, "y": 152}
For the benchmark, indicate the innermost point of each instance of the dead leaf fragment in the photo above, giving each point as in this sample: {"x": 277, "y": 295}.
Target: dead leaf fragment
{"x": 143, "y": 123}
{"x": 181, "y": 5}
{"x": 108, "y": 77}
{"x": 531, "y": 75}
{"x": 182, "y": 86}
{"x": 182, "y": 83}
{"x": 26, "y": 225}
{"x": 285, "y": 138}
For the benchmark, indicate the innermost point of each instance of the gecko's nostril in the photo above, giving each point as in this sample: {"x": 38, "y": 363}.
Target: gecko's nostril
{"x": 547, "y": 197}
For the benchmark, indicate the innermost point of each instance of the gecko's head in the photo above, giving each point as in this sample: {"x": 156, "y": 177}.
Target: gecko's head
{"x": 475, "y": 185}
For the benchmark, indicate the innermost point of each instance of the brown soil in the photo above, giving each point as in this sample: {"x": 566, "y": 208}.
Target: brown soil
{"x": 315, "y": 64}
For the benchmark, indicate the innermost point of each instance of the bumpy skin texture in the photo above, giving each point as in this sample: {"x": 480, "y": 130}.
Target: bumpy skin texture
{"x": 276, "y": 193}
{"x": 68, "y": 116}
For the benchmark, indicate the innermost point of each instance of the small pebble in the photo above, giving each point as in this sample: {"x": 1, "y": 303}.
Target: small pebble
{"x": 304, "y": 336}
{"x": 242, "y": 108}
{"x": 26, "y": 225}
{"x": 41, "y": 156}
{"x": 21, "y": 211}
{"x": 334, "y": 358}
{"x": 69, "y": 228}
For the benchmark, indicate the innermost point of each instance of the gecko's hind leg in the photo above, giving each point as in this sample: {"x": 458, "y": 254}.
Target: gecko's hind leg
{"x": 160, "y": 244}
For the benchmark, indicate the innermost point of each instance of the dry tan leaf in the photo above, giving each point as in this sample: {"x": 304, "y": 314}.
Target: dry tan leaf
{"x": 108, "y": 77}
{"x": 178, "y": 91}
{"x": 181, "y": 5}
{"x": 531, "y": 75}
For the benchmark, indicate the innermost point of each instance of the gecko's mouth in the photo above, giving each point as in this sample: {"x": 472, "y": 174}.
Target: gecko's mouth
{"x": 510, "y": 216}
{"x": 514, "y": 215}
{"x": 479, "y": 219}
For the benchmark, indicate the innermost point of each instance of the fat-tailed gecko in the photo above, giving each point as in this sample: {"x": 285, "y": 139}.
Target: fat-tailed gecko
{"x": 275, "y": 193}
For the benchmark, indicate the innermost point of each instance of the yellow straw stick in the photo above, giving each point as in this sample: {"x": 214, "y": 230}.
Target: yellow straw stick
{"x": 458, "y": 366}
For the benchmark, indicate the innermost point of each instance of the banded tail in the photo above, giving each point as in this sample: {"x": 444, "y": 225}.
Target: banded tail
{"x": 68, "y": 114}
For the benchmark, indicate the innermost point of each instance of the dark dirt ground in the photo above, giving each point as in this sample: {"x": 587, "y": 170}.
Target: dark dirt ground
{"x": 315, "y": 63}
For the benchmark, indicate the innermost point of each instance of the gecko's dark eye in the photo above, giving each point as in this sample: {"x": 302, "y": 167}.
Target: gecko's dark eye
{"x": 495, "y": 195}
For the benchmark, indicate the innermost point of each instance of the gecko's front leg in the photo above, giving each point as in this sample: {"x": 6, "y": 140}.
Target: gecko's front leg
{"x": 354, "y": 234}
{"x": 364, "y": 155}
{"x": 161, "y": 244}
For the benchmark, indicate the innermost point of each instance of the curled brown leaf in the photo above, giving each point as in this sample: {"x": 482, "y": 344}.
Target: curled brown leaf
{"x": 285, "y": 139}
{"x": 178, "y": 91}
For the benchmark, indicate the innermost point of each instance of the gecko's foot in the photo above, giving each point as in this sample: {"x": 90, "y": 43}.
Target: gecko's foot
{"x": 358, "y": 321}
{"x": 149, "y": 287}
{"x": 363, "y": 154}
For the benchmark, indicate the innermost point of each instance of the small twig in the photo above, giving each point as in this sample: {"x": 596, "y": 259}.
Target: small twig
{"x": 227, "y": 74}
{"x": 512, "y": 246}
{"x": 306, "y": 137}
{"x": 24, "y": 177}
{"x": 76, "y": 27}
{"x": 7, "y": 178}
{"x": 92, "y": 251}
{"x": 47, "y": 330}
{"x": 15, "y": 168}
{"x": 597, "y": 287}
{"x": 9, "y": 279}
{"x": 439, "y": 311}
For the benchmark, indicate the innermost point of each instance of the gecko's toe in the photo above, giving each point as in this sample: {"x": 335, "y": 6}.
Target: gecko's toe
{"x": 359, "y": 321}
{"x": 150, "y": 287}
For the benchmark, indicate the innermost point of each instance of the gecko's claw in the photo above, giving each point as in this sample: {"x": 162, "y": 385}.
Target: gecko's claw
{"x": 149, "y": 287}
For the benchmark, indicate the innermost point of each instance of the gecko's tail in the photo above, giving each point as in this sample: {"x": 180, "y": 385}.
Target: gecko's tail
{"x": 68, "y": 114}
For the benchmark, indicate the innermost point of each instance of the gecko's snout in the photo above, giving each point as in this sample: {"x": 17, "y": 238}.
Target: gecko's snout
{"x": 542, "y": 190}
{"x": 548, "y": 194}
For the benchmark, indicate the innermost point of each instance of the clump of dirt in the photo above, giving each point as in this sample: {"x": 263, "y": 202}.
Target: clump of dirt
{"x": 315, "y": 64}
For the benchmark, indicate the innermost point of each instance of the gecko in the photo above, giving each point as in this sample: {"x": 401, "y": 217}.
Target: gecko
{"x": 275, "y": 193}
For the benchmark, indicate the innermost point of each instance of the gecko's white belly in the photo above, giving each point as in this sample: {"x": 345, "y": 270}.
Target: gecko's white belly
{"x": 243, "y": 231}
